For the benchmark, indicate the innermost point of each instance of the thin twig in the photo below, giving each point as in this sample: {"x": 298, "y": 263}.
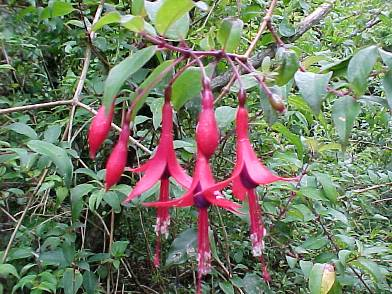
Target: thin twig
{"x": 35, "y": 106}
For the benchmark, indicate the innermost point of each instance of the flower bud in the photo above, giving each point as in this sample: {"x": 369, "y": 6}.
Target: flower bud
{"x": 277, "y": 102}
{"x": 99, "y": 129}
{"x": 207, "y": 132}
{"x": 117, "y": 159}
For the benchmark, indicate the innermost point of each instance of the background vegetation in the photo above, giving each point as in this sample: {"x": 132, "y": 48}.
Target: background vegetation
{"x": 60, "y": 232}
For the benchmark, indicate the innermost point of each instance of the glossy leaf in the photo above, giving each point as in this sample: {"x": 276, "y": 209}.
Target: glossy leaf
{"x": 359, "y": 68}
{"x": 386, "y": 57}
{"x": 187, "y": 86}
{"x": 328, "y": 187}
{"x": 122, "y": 71}
{"x": 111, "y": 17}
{"x": 321, "y": 278}
{"x": 344, "y": 112}
{"x": 182, "y": 246}
{"x": 313, "y": 88}
{"x": 229, "y": 34}
{"x": 61, "y": 8}
{"x": 8, "y": 269}
{"x": 56, "y": 154}
{"x": 77, "y": 194}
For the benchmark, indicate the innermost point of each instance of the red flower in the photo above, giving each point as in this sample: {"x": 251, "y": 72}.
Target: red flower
{"x": 202, "y": 180}
{"x": 118, "y": 158}
{"x": 99, "y": 129}
{"x": 248, "y": 173}
{"x": 161, "y": 167}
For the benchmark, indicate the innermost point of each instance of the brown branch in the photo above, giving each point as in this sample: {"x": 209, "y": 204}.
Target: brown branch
{"x": 35, "y": 106}
{"x": 306, "y": 24}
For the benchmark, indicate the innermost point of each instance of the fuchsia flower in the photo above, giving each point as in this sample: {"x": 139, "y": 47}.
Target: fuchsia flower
{"x": 248, "y": 173}
{"x": 207, "y": 137}
{"x": 99, "y": 129}
{"x": 161, "y": 167}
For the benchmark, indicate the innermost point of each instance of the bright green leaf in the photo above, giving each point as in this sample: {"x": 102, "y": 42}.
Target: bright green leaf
{"x": 328, "y": 187}
{"x": 61, "y": 8}
{"x": 122, "y": 71}
{"x": 169, "y": 12}
{"x": 111, "y": 17}
{"x": 186, "y": 86}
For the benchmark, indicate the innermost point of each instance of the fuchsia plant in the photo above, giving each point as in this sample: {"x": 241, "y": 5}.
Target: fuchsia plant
{"x": 201, "y": 189}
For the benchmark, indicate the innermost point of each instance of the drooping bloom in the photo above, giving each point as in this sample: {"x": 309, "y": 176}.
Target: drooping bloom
{"x": 99, "y": 129}
{"x": 207, "y": 139}
{"x": 247, "y": 174}
{"x": 117, "y": 160}
{"x": 202, "y": 180}
{"x": 161, "y": 167}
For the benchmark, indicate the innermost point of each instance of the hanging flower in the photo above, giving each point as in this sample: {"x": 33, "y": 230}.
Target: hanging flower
{"x": 202, "y": 180}
{"x": 248, "y": 173}
{"x": 161, "y": 167}
{"x": 99, "y": 129}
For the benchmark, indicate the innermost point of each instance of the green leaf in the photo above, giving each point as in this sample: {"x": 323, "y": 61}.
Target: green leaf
{"x": 186, "y": 86}
{"x": 225, "y": 115}
{"x": 253, "y": 284}
{"x": 6, "y": 67}
{"x": 122, "y": 71}
{"x": 60, "y": 8}
{"x": 52, "y": 133}
{"x": 23, "y": 129}
{"x": 359, "y": 68}
{"x": 286, "y": 29}
{"x": 77, "y": 194}
{"x": 8, "y": 269}
{"x": 169, "y": 12}
{"x": 288, "y": 67}
{"x": 184, "y": 244}
{"x": 386, "y": 57}
{"x": 90, "y": 282}
{"x": 111, "y": 17}
{"x": 133, "y": 23}
{"x": 312, "y": 87}
{"x": 328, "y": 187}
{"x": 344, "y": 112}
{"x": 387, "y": 84}
{"x": 56, "y": 154}
{"x": 306, "y": 267}
{"x": 113, "y": 200}
{"x": 315, "y": 243}
{"x": 371, "y": 268}
{"x": 226, "y": 287}
{"x": 119, "y": 247}
{"x": 292, "y": 138}
{"x": 138, "y": 7}
{"x": 291, "y": 261}
{"x": 229, "y": 34}
{"x": 321, "y": 278}
{"x": 72, "y": 280}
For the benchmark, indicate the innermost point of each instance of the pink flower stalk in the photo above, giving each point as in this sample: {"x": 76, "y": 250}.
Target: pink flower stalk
{"x": 248, "y": 173}
{"x": 118, "y": 158}
{"x": 161, "y": 167}
{"x": 99, "y": 129}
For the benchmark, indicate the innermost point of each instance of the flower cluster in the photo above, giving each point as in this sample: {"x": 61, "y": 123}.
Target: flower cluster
{"x": 202, "y": 190}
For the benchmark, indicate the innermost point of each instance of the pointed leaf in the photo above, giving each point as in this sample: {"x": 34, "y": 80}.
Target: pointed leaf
{"x": 133, "y": 23}
{"x": 186, "y": 86}
{"x": 360, "y": 67}
{"x": 8, "y": 269}
{"x": 169, "y": 12}
{"x": 386, "y": 57}
{"x": 122, "y": 71}
{"x": 72, "y": 280}
{"x": 22, "y": 129}
{"x": 61, "y": 8}
{"x": 312, "y": 87}
{"x": 56, "y": 154}
{"x": 344, "y": 112}
{"x": 182, "y": 246}
{"x": 371, "y": 268}
{"x": 229, "y": 34}
{"x": 111, "y": 17}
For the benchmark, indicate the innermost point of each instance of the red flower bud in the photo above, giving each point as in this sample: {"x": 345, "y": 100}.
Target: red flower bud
{"x": 99, "y": 129}
{"x": 117, "y": 159}
{"x": 207, "y": 132}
